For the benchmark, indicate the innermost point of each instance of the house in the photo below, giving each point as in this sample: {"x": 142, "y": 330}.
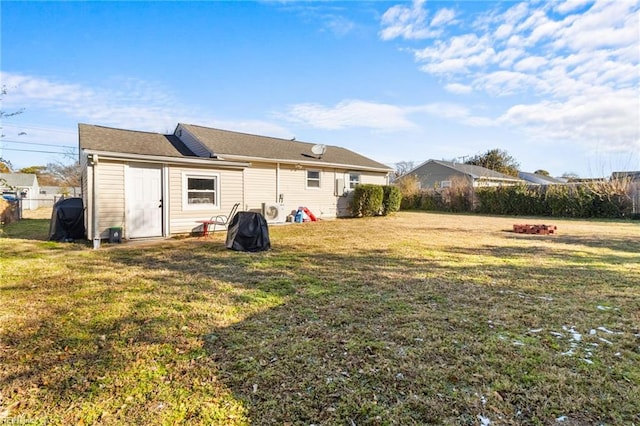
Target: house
{"x": 443, "y": 174}
{"x": 630, "y": 176}
{"x": 49, "y": 195}
{"x": 157, "y": 185}
{"x": 21, "y": 185}
{"x": 538, "y": 179}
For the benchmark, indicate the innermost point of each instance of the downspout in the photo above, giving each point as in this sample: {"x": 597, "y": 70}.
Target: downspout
{"x": 94, "y": 202}
{"x": 277, "y": 197}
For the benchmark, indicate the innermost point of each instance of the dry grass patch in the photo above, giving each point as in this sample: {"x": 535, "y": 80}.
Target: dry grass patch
{"x": 411, "y": 319}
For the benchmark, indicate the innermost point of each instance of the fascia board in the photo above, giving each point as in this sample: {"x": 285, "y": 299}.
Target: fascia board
{"x": 162, "y": 159}
{"x": 306, "y": 163}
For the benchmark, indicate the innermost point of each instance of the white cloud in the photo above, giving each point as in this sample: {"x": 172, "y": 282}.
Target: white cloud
{"x": 410, "y": 23}
{"x": 503, "y": 31}
{"x": 570, "y": 5}
{"x": 377, "y": 116}
{"x": 606, "y": 24}
{"x": 443, "y": 17}
{"x": 350, "y": 113}
{"x": 502, "y": 83}
{"x": 578, "y": 63}
{"x": 133, "y": 104}
{"x": 604, "y": 118}
{"x": 530, "y": 63}
{"x": 456, "y": 55}
{"x": 339, "y": 25}
{"x": 460, "y": 89}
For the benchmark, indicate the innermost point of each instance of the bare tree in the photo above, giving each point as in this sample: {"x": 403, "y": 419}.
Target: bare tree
{"x": 5, "y": 166}
{"x": 66, "y": 175}
{"x": 403, "y": 167}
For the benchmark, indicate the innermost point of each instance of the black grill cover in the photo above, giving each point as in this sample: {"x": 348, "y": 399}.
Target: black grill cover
{"x": 67, "y": 220}
{"x": 248, "y": 231}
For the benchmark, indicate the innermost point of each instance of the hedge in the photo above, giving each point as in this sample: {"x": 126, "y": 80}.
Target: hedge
{"x": 587, "y": 200}
{"x": 375, "y": 200}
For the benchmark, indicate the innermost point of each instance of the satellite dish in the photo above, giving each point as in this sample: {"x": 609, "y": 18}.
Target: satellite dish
{"x": 319, "y": 150}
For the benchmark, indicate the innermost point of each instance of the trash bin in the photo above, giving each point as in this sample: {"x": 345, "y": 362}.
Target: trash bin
{"x": 115, "y": 234}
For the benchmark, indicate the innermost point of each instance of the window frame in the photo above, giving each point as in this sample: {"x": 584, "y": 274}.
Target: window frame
{"x": 201, "y": 206}
{"x": 352, "y": 183}
{"x": 318, "y": 179}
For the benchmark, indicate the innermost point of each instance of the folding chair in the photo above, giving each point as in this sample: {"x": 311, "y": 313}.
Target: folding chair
{"x": 221, "y": 219}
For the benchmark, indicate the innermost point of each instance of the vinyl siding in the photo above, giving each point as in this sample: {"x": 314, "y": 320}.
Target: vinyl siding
{"x": 184, "y": 221}
{"x": 260, "y": 185}
{"x": 251, "y": 187}
{"x": 322, "y": 201}
{"x": 191, "y": 142}
{"x": 432, "y": 174}
{"x": 111, "y": 205}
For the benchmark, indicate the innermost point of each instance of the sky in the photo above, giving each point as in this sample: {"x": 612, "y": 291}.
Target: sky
{"x": 554, "y": 84}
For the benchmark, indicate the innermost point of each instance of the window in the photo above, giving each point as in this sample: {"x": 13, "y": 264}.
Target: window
{"x": 200, "y": 192}
{"x": 354, "y": 179}
{"x": 445, "y": 184}
{"x": 313, "y": 179}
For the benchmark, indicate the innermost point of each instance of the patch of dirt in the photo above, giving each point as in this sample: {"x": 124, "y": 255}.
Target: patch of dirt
{"x": 41, "y": 213}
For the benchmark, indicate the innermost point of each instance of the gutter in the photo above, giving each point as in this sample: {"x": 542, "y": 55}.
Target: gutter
{"x": 308, "y": 163}
{"x": 105, "y": 155}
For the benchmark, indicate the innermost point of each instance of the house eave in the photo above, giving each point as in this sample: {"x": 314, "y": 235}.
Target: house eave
{"x": 499, "y": 179}
{"x": 217, "y": 162}
{"x": 306, "y": 163}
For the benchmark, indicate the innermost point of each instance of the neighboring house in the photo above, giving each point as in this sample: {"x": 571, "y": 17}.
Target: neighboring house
{"x": 631, "y": 176}
{"x": 22, "y": 185}
{"x": 155, "y": 185}
{"x": 537, "y": 179}
{"x": 50, "y": 194}
{"x": 443, "y": 174}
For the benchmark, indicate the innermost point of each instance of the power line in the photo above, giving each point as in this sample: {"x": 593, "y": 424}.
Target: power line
{"x": 34, "y": 127}
{"x": 39, "y": 144}
{"x": 35, "y": 150}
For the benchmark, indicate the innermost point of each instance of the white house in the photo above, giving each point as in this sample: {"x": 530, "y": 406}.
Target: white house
{"x": 157, "y": 185}
{"x": 22, "y": 185}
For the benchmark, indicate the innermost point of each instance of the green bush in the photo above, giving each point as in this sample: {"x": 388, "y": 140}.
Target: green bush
{"x": 585, "y": 200}
{"x": 602, "y": 199}
{"x": 391, "y": 199}
{"x": 367, "y": 200}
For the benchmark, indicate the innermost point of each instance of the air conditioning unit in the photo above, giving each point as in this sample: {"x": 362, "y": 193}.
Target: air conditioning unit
{"x": 274, "y": 213}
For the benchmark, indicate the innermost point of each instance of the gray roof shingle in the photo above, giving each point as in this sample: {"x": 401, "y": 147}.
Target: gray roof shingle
{"x": 223, "y": 144}
{"x": 107, "y": 139}
{"x": 539, "y": 179}
{"x": 226, "y": 143}
{"x": 19, "y": 179}
{"x": 476, "y": 172}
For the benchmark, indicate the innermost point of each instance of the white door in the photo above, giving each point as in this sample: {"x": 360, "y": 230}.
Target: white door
{"x": 144, "y": 200}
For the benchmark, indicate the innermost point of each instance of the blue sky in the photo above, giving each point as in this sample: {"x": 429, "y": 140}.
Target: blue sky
{"x": 555, "y": 84}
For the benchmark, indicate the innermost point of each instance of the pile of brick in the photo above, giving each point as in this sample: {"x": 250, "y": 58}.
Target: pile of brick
{"x": 535, "y": 229}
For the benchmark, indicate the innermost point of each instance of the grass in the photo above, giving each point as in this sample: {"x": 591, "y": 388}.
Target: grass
{"x": 417, "y": 318}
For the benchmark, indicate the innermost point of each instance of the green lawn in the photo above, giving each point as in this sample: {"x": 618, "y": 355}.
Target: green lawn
{"x": 416, "y": 318}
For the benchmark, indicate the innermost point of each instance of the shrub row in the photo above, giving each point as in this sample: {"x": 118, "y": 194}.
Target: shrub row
{"x": 455, "y": 200}
{"x": 598, "y": 200}
{"x": 375, "y": 200}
